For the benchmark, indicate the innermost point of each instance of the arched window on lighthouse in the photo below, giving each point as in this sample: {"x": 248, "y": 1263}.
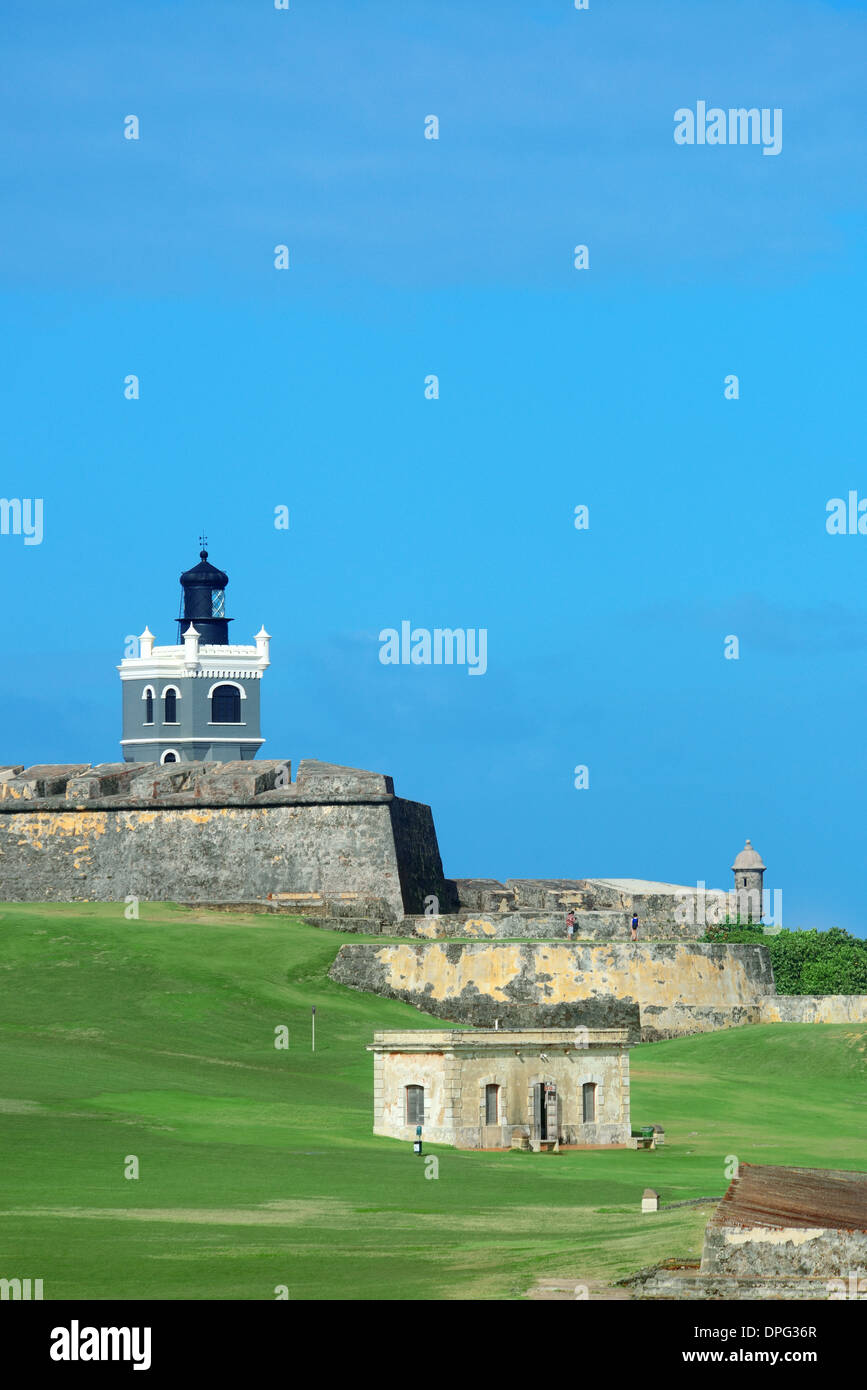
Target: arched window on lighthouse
{"x": 149, "y": 706}
{"x": 226, "y": 705}
{"x": 170, "y": 705}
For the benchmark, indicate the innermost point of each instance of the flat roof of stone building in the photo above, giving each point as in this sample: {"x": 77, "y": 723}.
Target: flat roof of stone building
{"x": 474, "y": 1039}
{"x": 646, "y": 885}
{"x": 766, "y": 1195}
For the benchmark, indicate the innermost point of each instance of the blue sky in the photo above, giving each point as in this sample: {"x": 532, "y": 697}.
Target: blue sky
{"x": 558, "y": 387}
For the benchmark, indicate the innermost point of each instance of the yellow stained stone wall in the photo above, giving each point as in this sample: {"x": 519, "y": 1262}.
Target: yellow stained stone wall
{"x": 229, "y": 853}
{"x": 679, "y": 988}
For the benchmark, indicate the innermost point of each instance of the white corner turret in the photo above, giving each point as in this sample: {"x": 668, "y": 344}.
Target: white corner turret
{"x": 263, "y": 640}
{"x": 191, "y": 648}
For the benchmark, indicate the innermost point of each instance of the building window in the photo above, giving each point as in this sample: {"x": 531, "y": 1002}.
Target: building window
{"x": 415, "y": 1105}
{"x": 226, "y": 705}
{"x": 170, "y": 715}
{"x": 149, "y": 707}
{"x": 589, "y": 1102}
{"x": 218, "y": 603}
{"x": 170, "y": 756}
{"x": 492, "y": 1105}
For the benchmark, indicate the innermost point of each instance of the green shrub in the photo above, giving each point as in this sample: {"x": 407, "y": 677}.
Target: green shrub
{"x": 806, "y": 962}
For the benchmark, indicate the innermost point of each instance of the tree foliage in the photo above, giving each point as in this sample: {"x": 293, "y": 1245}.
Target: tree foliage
{"x": 806, "y": 962}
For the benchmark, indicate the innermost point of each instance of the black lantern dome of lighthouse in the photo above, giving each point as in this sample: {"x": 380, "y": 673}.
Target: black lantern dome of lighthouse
{"x": 204, "y": 602}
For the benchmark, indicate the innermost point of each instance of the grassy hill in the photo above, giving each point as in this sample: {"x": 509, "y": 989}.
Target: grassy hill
{"x": 258, "y": 1168}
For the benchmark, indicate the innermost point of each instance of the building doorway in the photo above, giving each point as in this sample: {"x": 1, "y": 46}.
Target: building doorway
{"x": 545, "y": 1110}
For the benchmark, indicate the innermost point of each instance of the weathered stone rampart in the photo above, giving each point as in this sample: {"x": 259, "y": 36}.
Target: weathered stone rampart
{"x": 338, "y": 848}
{"x": 813, "y": 1008}
{"x": 209, "y": 832}
{"x": 760, "y": 1252}
{"x": 672, "y": 907}
{"x": 534, "y": 926}
{"x": 675, "y": 989}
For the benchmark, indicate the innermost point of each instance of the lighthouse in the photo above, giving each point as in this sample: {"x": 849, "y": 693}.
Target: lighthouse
{"x": 196, "y": 701}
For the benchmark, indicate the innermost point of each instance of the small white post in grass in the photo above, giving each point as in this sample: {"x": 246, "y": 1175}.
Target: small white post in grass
{"x": 313, "y": 1026}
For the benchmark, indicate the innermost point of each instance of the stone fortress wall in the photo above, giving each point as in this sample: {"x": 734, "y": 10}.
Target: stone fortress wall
{"x": 535, "y": 909}
{"x": 675, "y": 983}
{"x": 338, "y": 848}
{"x": 215, "y": 832}
{"x": 672, "y": 989}
{"x": 813, "y": 1008}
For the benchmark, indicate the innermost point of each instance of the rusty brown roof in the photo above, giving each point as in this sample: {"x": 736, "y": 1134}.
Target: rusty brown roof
{"x": 805, "y": 1197}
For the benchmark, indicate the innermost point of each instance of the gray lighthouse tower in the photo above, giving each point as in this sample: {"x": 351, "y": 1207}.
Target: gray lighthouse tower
{"x": 197, "y": 701}
{"x": 749, "y": 874}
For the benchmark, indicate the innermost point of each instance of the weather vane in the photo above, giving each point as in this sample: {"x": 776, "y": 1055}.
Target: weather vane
{"x": 203, "y": 540}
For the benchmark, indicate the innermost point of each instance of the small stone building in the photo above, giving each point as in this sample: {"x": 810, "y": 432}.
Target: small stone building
{"x": 476, "y": 1089}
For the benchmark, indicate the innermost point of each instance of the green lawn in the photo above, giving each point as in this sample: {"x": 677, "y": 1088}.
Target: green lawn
{"x": 258, "y": 1167}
